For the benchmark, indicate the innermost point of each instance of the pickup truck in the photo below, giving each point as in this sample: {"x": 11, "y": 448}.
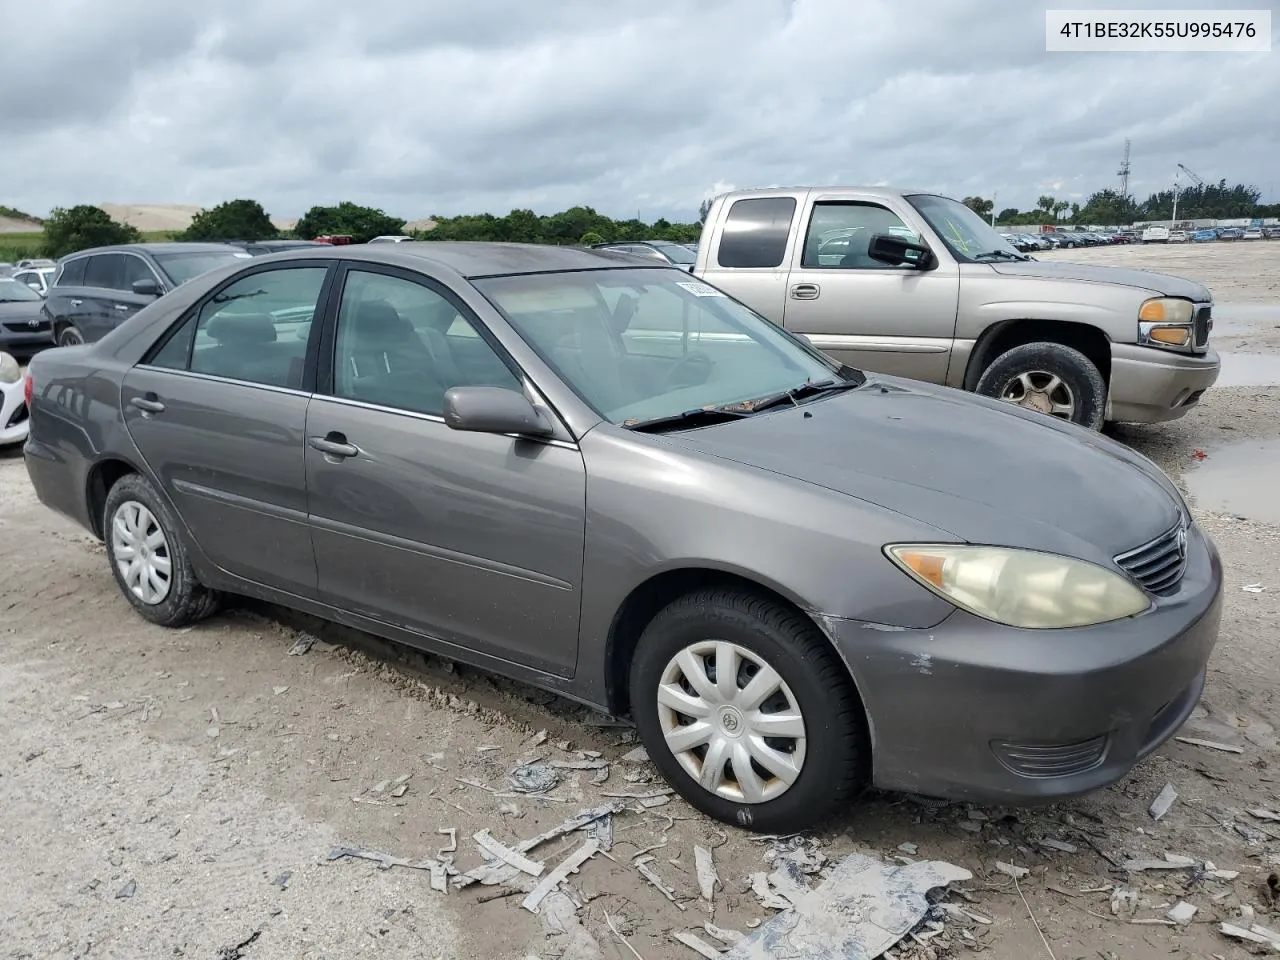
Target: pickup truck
{"x": 917, "y": 285}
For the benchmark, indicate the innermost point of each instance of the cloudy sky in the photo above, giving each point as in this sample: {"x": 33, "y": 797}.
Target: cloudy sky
{"x": 450, "y": 106}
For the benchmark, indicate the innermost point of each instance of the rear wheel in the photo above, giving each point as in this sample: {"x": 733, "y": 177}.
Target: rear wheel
{"x": 147, "y": 556}
{"x": 1048, "y": 378}
{"x": 70, "y": 336}
{"x": 748, "y": 712}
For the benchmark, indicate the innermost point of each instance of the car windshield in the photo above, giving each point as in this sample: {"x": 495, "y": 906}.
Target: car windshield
{"x": 640, "y": 345}
{"x": 677, "y": 253}
{"x": 182, "y": 267}
{"x": 13, "y": 291}
{"x": 966, "y": 234}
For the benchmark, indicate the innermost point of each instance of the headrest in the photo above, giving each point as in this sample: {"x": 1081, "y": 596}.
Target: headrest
{"x": 240, "y": 328}
{"x": 378, "y": 320}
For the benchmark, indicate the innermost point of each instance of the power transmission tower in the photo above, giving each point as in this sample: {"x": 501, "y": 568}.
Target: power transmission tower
{"x": 1124, "y": 172}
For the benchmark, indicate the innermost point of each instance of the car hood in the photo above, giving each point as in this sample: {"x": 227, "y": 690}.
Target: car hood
{"x": 982, "y": 470}
{"x": 1156, "y": 282}
{"x": 23, "y": 310}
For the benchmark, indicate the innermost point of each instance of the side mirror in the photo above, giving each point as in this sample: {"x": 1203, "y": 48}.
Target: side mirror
{"x": 896, "y": 251}
{"x": 493, "y": 410}
{"x": 146, "y": 288}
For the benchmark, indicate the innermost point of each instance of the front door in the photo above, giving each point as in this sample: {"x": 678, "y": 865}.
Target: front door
{"x": 472, "y": 539}
{"x": 219, "y": 410}
{"x": 894, "y": 320}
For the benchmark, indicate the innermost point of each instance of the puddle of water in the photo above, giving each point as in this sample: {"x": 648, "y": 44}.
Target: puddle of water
{"x": 1240, "y": 480}
{"x": 1249, "y": 370}
{"x": 1236, "y": 318}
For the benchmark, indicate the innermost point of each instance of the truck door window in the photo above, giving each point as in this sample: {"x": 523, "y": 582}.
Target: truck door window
{"x": 840, "y": 233}
{"x": 755, "y": 232}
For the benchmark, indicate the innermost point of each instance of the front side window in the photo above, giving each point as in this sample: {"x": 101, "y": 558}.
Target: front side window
{"x": 135, "y": 269}
{"x": 254, "y": 329}
{"x": 676, "y": 253}
{"x": 402, "y": 344}
{"x": 642, "y": 344}
{"x": 105, "y": 270}
{"x": 839, "y": 235}
{"x": 755, "y": 232}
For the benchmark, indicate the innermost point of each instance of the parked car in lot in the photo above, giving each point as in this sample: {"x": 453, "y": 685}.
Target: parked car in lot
{"x": 1204, "y": 236}
{"x": 675, "y": 254}
{"x": 1177, "y": 236}
{"x": 1230, "y": 233}
{"x": 661, "y": 487}
{"x": 38, "y": 279}
{"x": 260, "y": 248}
{"x": 1252, "y": 233}
{"x": 392, "y": 238}
{"x": 13, "y": 402}
{"x": 1271, "y": 233}
{"x": 957, "y": 305}
{"x": 1124, "y": 236}
{"x": 1155, "y": 235}
{"x": 96, "y": 290}
{"x": 24, "y": 329}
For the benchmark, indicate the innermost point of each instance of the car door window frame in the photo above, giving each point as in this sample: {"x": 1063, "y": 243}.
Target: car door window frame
{"x": 104, "y": 256}
{"x": 150, "y": 271}
{"x": 816, "y": 205}
{"x": 191, "y": 317}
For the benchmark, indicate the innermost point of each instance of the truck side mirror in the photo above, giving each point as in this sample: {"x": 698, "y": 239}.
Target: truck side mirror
{"x": 897, "y": 251}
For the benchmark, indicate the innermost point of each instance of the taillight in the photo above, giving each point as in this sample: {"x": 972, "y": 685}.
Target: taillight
{"x": 28, "y": 387}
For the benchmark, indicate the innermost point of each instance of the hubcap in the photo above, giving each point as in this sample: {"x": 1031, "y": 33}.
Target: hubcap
{"x": 70, "y": 337}
{"x": 731, "y": 722}
{"x": 141, "y": 552}
{"x": 1042, "y": 392}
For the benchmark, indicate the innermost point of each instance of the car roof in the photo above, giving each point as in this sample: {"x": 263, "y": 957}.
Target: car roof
{"x": 474, "y": 259}
{"x": 171, "y": 247}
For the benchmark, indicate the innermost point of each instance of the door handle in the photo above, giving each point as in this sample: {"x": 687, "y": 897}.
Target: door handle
{"x": 148, "y": 404}
{"x": 75, "y": 303}
{"x": 334, "y": 445}
{"x": 122, "y": 306}
{"x": 805, "y": 291}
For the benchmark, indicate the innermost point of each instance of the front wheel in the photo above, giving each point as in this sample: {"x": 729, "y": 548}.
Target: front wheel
{"x": 1048, "y": 378}
{"x": 70, "y": 336}
{"x": 748, "y": 712}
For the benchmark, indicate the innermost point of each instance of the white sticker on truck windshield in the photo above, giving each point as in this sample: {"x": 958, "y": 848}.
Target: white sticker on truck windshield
{"x": 699, "y": 289}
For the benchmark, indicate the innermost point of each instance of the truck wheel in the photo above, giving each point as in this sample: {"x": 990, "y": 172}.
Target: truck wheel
{"x": 1048, "y": 378}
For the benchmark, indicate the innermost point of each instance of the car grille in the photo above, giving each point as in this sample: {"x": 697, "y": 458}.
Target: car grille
{"x": 1051, "y": 759}
{"x": 1158, "y": 565}
{"x": 1203, "y": 324}
{"x": 25, "y": 327}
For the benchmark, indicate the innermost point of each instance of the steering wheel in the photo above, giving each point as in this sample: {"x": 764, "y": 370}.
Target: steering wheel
{"x": 691, "y": 370}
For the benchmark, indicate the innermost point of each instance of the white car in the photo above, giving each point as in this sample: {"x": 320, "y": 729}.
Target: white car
{"x": 13, "y": 402}
{"x": 1155, "y": 235}
{"x": 1177, "y": 236}
{"x": 391, "y": 238}
{"x": 1253, "y": 233}
{"x": 39, "y": 279}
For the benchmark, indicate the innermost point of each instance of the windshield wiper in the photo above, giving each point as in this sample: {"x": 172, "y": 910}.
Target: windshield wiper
{"x": 807, "y": 389}
{"x": 999, "y": 255}
{"x": 698, "y": 417}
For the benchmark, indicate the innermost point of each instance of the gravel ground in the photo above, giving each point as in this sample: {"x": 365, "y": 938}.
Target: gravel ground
{"x": 177, "y": 793}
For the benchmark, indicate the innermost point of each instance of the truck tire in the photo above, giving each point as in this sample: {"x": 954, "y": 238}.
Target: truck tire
{"x": 1048, "y": 378}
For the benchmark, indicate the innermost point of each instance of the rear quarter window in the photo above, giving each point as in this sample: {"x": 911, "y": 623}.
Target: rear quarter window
{"x": 755, "y": 232}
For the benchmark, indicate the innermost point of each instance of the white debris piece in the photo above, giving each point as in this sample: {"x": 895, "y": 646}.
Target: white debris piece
{"x": 910, "y": 848}
{"x": 862, "y": 909}
{"x": 697, "y": 944}
{"x": 1008, "y": 868}
{"x": 1123, "y": 900}
{"x": 1264, "y": 814}
{"x": 642, "y": 864}
{"x": 705, "y": 867}
{"x": 1171, "y": 861}
{"x": 768, "y": 896}
{"x": 1210, "y": 744}
{"x": 638, "y": 755}
{"x": 724, "y": 935}
{"x": 1060, "y": 845}
{"x": 1253, "y": 588}
{"x": 1211, "y": 870}
{"x": 504, "y": 853}
{"x": 553, "y": 879}
{"x": 1181, "y": 913}
{"x": 1163, "y": 801}
{"x": 1239, "y": 933}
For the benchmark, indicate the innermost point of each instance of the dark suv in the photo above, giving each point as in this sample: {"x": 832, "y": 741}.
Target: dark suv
{"x": 96, "y": 290}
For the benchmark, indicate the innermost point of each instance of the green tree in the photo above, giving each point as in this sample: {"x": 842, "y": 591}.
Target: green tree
{"x": 591, "y": 237}
{"x": 81, "y": 227}
{"x": 362, "y": 223}
{"x": 704, "y": 208}
{"x": 1008, "y": 215}
{"x": 1045, "y": 205}
{"x": 1107, "y": 206}
{"x": 982, "y": 207}
{"x": 233, "y": 220}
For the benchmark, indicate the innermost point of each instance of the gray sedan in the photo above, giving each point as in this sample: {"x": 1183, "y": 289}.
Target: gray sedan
{"x": 610, "y": 480}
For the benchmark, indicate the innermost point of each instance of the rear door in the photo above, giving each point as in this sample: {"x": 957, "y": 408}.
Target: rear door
{"x": 472, "y": 539}
{"x": 894, "y": 320}
{"x": 751, "y": 250}
{"x": 219, "y": 411}
{"x": 68, "y": 300}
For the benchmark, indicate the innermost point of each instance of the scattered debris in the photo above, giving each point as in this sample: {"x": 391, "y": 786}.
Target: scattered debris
{"x": 1123, "y": 900}
{"x": 279, "y": 690}
{"x": 553, "y": 879}
{"x": 498, "y": 895}
{"x": 452, "y": 834}
{"x": 650, "y": 802}
{"x": 602, "y": 831}
{"x": 910, "y": 848}
{"x": 534, "y": 778}
{"x": 1253, "y": 588}
{"x": 302, "y": 645}
{"x": 1252, "y": 837}
{"x": 127, "y": 891}
{"x": 1171, "y": 861}
{"x": 725, "y": 936}
{"x": 580, "y": 764}
{"x": 861, "y": 910}
{"x": 1263, "y": 814}
{"x": 385, "y": 861}
{"x": 1212, "y": 871}
{"x": 609, "y": 920}
{"x": 1060, "y": 845}
{"x": 1181, "y": 913}
{"x": 697, "y": 944}
{"x": 767, "y": 895}
{"x": 1198, "y": 454}
{"x": 706, "y": 871}
{"x": 1255, "y": 934}
{"x": 638, "y": 755}
{"x": 642, "y": 864}
{"x": 494, "y": 873}
{"x": 648, "y": 795}
{"x": 537, "y": 740}
{"x": 1163, "y": 801}
{"x": 1011, "y": 870}
{"x": 237, "y": 952}
{"x": 1210, "y": 744}
{"x": 488, "y": 748}
{"x": 486, "y": 841}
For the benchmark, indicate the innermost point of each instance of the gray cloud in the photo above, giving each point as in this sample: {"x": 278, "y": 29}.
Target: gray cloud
{"x": 495, "y": 104}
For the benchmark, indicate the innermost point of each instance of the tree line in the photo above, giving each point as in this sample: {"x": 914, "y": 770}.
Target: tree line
{"x": 1217, "y": 201}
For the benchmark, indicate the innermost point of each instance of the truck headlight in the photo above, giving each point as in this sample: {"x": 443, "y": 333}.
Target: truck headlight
{"x": 1020, "y": 588}
{"x": 1166, "y": 322}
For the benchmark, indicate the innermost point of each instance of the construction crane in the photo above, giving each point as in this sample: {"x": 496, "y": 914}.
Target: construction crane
{"x": 1177, "y": 187}
{"x": 1123, "y": 172}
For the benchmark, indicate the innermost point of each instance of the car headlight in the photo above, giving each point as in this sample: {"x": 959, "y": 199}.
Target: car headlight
{"x": 10, "y": 371}
{"x": 1166, "y": 322}
{"x": 1021, "y": 588}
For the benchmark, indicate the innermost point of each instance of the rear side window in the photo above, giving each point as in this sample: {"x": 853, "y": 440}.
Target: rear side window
{"x": 755, "y": 232}
{"x": 72, "y": 274}
{"x": 105, "y": 270}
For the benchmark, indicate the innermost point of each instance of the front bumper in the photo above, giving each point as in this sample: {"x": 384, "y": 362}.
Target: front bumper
{"x": 972, "y": 710}
{"x": 1149, "y": 385}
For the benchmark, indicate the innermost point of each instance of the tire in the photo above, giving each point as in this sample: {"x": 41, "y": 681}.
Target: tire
{"x": 70, "y": 336}
{"x": 1041, "y": 362}
{"x": 184, "y": 600}
{"x": 833, "y": 749}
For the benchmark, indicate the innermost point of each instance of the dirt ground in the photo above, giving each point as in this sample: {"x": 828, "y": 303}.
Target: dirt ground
{"x": 178, "y": 793}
